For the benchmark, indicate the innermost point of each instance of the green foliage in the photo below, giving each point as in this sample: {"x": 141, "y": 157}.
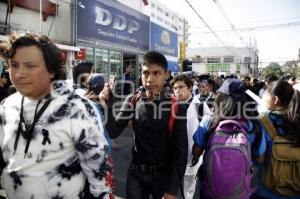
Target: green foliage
{"x": 292, "y": 68}
{"x": 273, "y": 68}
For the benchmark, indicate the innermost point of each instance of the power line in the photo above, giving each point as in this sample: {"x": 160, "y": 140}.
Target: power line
{"x": 265, "y": 27}
{"x": 210, "y": 29}
{"x": 290, "y": 19}
{"x": 229, "y": 21}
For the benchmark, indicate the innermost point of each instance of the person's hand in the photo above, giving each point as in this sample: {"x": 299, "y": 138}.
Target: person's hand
{"x": 168, "y": 196}
{"x": 3, "y": 80}
{"x": 90, "y": 95}
{"x": 104, "y": 94}
{"x": 195, "y": 160}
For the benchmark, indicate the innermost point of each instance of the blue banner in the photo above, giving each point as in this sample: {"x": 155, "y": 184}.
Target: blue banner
{"x": 164, "y": 40}
{"x": 173, "y": 66}
{"x": 111, "y": 21}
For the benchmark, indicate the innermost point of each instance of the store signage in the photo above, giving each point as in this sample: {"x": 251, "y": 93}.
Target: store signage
{"x": 105, "y": 18}
{"x": 113, "y": 22}
{"x": 81, "y": 55}
{"x": 164, "y": 40}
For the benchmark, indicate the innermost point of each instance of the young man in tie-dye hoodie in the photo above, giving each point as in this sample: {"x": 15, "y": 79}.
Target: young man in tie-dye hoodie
{"x": 52, "y": 139}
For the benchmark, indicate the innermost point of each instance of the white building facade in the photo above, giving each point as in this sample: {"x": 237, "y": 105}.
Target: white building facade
{"x": 163, "y": 15}
{"x": 228, "y": 60}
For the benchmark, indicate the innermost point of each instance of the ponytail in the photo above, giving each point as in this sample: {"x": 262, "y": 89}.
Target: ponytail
{"x": 290, "y": 103}
{"x": 293, "y": 109}
{"x": 293, "y": 117}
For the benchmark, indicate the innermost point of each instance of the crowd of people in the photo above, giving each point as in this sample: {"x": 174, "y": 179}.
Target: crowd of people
{"x": 56, "y": 138}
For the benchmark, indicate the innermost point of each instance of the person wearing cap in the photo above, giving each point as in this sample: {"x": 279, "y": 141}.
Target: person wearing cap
{"x": 229, "y": 103}
{"x": 52, "y": 139}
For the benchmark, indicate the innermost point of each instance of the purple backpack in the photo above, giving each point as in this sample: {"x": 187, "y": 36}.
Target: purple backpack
{"x": 227, "y": 164}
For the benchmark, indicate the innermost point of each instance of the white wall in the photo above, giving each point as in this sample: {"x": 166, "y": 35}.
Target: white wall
{"x": 232, "y": 68}
{"x": 199, "y": 68}
{"x": 135, "y": 4}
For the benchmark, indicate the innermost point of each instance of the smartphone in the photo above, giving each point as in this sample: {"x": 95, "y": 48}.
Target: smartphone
{"x": 111, "y": 81}
{"x": 111, "y": 84}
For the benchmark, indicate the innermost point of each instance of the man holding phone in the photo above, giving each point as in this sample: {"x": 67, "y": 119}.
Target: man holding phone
{"x": 159, "y": 157}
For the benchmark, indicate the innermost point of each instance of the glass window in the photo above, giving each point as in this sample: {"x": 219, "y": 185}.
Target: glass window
{"x": 228, "y": 59}
{"x": 247, "y": 61}
{"x": 213, "y": 60}
{"x": 115, "y": 59}
{"x": 101, "y": 61}
{"x": 198, "y": 59}
{"x": 89, "y": 54}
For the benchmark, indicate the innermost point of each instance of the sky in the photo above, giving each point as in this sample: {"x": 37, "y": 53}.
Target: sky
{"x": 276, "y": 44}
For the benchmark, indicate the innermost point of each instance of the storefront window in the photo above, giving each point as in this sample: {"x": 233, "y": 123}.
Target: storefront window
{"x": 89, "y": 53}
{"x": 101, "y": 61}
{"x": 115, "y": 59}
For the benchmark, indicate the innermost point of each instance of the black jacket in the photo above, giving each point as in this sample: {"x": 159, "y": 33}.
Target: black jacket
{"x": 152, "y": 143}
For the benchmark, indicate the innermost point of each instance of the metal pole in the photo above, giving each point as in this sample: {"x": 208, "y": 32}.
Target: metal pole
{"x": 56, "y": 14}
{"x": 41, "y": 17}
{"x": 183, "y": 40}
{"x": 74, "y": 22}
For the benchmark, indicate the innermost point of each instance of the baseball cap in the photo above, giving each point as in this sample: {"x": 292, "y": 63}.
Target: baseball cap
{"x": 96, "y": 82}
{"x": 234, "y": 88}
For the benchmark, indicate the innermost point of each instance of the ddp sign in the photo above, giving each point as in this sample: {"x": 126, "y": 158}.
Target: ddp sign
{"x": 113, "y": 22}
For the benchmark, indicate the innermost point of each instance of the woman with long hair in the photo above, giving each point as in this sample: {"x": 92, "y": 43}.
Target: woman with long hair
{"x": 279, "y": 176}
{"x": 232, "y": 127}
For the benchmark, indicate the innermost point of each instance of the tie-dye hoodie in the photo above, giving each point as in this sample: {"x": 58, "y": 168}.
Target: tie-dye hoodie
{"x": 67, "y": 155}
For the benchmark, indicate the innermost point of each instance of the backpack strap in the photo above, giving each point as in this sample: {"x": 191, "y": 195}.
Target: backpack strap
{"x": 136, "y": 96}
{"x": 268, "y": 125}
{"x": 174, "y": 111}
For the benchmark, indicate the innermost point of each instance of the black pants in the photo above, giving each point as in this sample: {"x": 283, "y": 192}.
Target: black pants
{"x": 143, "y": 182}
{"x": 254, "y": 196}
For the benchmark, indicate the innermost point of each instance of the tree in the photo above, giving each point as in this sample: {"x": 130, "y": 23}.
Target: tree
{"x": 291, "y": 68}
{"x": 273, "y": 68}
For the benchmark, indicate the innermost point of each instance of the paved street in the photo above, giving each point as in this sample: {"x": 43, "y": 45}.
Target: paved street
{"x": 122, "y": 156}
